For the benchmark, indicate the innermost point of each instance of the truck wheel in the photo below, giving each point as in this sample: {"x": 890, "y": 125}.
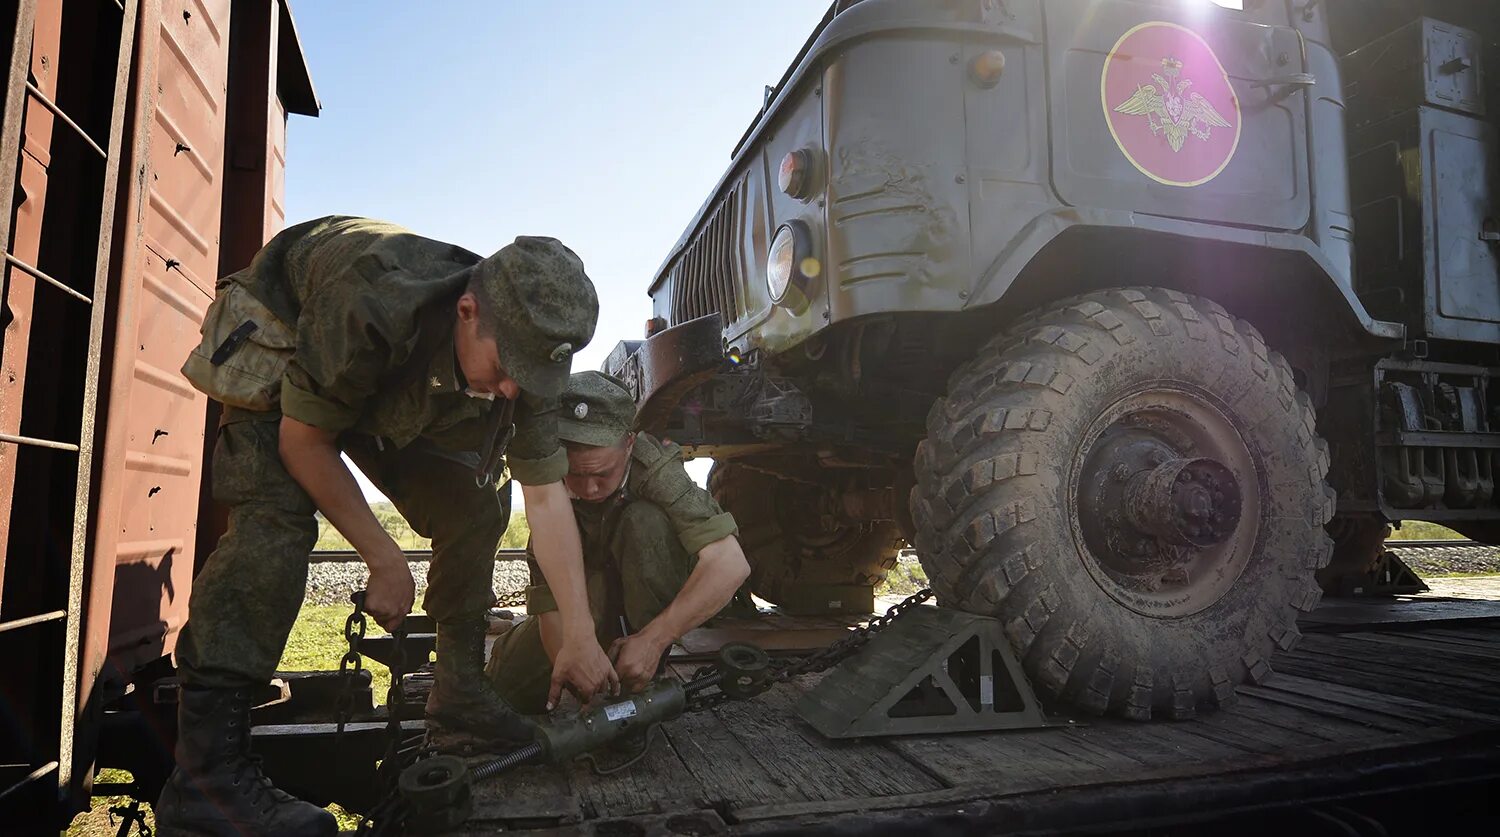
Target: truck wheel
{"x": 796, "y": 561}
{"x": 1133, "y": 485}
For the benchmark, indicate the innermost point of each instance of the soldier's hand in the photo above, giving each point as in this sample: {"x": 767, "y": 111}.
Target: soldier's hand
{"x": 583, "y": 669}
{"x": 390, "y": 594}
{"x": 636, "y": 658}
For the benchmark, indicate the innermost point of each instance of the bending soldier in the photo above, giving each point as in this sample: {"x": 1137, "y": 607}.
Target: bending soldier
{"x": 658, "y": 551}
{"x": 408, "y": 355}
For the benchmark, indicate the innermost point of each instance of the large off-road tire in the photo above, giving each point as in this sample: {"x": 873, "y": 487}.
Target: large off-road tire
{"x": 1019, "y": 508}
{"x": 786, "y": 550}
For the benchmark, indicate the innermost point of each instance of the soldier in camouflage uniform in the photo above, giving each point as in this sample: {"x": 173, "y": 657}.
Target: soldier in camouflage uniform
{"x": 409, "y": 355}
{"x": 658, "y": 551}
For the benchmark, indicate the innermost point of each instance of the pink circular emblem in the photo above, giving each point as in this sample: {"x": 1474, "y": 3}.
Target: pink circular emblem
{"x": 1169, "y": 104}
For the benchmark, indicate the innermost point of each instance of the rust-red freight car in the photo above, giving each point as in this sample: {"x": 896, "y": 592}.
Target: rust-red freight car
{"x": 143, "y": 156}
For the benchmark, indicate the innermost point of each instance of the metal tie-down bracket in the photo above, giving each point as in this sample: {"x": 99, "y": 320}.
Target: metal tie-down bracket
{"x": 935, "y": 670}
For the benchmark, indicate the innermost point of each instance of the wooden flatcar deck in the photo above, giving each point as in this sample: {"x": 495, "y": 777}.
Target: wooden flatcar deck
{"x": 1376, "y": 696}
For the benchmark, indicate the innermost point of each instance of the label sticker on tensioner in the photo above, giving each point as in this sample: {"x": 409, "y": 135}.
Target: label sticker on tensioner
{"x": 620, "y": 711}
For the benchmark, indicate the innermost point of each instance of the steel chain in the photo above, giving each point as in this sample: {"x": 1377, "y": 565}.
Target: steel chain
{"x": 785, "y": 669}
{"x": 515, "y": 598}
{"x": 395, "y": 703}
{"x": 352, "y": 663}
{"x": 782, "y": 475}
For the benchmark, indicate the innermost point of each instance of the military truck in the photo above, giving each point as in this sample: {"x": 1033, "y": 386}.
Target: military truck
{"x": 1141, "y": 320}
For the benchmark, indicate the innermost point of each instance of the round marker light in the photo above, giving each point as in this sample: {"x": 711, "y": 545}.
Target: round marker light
{"x": 795, "y": 175}
{"x": 987, "y": 68}
{"x": 782, "y": 263}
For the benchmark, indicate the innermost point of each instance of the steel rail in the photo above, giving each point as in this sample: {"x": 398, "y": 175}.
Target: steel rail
{"x": 36, "y": 774}
{"x": 28, "y": 441}
{"x": 40, "y": 618}
{"x": 349, "y": 556}
{"x": 58, "y": 112}
{"x": 56, "y": 283}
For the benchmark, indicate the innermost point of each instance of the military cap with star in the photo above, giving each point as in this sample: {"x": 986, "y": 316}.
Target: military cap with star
{"x": 544, "y": 307}
{"x": 597, "y": 410}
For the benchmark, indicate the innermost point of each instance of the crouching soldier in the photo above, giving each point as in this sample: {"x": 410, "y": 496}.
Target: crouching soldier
{"x": 657, "y": 550}
{"x": 418, "y": 360}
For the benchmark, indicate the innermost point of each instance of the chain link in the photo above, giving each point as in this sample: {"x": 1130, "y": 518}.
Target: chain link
{"x": 395, "y": 702}
{"x": 783, "y": 670}
{"x": 782, "y": 475}
{"x": 515, "y": 598}
{"x": 352, "y": 663}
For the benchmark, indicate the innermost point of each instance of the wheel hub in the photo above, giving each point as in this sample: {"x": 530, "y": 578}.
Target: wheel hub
{"x": 1164, "y": 520}
{"x": 1186, "y": 502}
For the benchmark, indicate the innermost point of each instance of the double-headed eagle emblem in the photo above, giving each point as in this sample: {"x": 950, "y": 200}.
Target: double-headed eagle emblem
{"x": 1171, "y": 109}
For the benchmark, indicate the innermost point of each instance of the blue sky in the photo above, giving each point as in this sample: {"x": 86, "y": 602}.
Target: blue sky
{"x": 603, "y": 124}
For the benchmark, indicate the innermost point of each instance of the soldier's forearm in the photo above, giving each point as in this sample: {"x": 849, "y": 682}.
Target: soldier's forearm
{"x": 721, "y": 570}
{"x": 550, "y": 624}
{"x": 311, "y": 456}
{"x": 554, "y": 541}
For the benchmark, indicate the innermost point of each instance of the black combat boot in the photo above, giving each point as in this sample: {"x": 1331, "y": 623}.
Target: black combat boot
{"x": 464, "y": 713}
{"x": 218, "y": 787}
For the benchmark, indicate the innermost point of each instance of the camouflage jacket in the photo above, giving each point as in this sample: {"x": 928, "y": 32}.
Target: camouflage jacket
{"x": 656, "y": 476}
{"x": 372, "y": 308}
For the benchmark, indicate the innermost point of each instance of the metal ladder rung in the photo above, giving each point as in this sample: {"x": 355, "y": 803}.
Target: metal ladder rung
{"x": 35, "y": 775}
{"x": 26, "y": 268}
{"x": 39, "y": 619}
{"x": 28, "y": 441}
{"x": 58, "y": 112}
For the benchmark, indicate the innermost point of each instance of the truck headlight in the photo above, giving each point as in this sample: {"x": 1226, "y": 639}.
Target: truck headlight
{"x": 791, "y": 263}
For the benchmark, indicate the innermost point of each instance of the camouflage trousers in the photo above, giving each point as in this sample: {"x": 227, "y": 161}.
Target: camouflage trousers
{"x": 635, "y": 570}
{"x": 250, "y": 589}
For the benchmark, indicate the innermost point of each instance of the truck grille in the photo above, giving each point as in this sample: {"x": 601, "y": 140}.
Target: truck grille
{"x": 703, "y": 280}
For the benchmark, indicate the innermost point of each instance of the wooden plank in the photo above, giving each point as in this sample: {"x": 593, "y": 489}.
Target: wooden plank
{"x": 1333, "y": 729}
{"x": 981, "y": 791}
{"x": 1388, "y": 704}
{"x": 1242, "y": 723}
{"x": 659, "y": 782}
{"x": 1489, "y": 636}
{"x": 1391, "y": 683}
{"x": 1157, "y": 745}
{"x": 770, "y": 731}
{"x": 723, "y": 766}
{"x": 1447, "y": 670}
{"x": 1230, "y": 736}
{"x": 1334, "y": 712}
{"x": 1087, "y": 753}
{"x": 1427, "y": 645}
{"x": 1453, "y": 641}
{"x": 999, "y": 757}
{"x": 1335, "y": 614}
{"x": 538, "y": 795}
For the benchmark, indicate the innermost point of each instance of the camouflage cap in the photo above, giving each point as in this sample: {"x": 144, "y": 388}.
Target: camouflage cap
{"x": 596, "y": 410}
{"x": 544, "y": 310}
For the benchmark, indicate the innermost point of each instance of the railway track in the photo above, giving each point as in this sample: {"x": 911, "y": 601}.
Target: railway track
{"x": 349, "y": 556}
{"x": 1434, "y": 558}
{"x": 1450, "y": 543}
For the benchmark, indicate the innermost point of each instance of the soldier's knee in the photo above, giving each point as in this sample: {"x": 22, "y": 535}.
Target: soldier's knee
{"x": 472, "y": 514}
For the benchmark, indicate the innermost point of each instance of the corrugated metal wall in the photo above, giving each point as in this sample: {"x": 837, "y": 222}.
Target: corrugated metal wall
{"x": 153, "y": 420}
{"x": 202, "y": 167}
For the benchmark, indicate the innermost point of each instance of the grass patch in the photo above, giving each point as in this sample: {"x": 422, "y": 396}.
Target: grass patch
{"x": 904, "y": 579}
{"x": 1418, "y": 530}
{"x": 98, "y": 821}
{"x": 317, "y": 644}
